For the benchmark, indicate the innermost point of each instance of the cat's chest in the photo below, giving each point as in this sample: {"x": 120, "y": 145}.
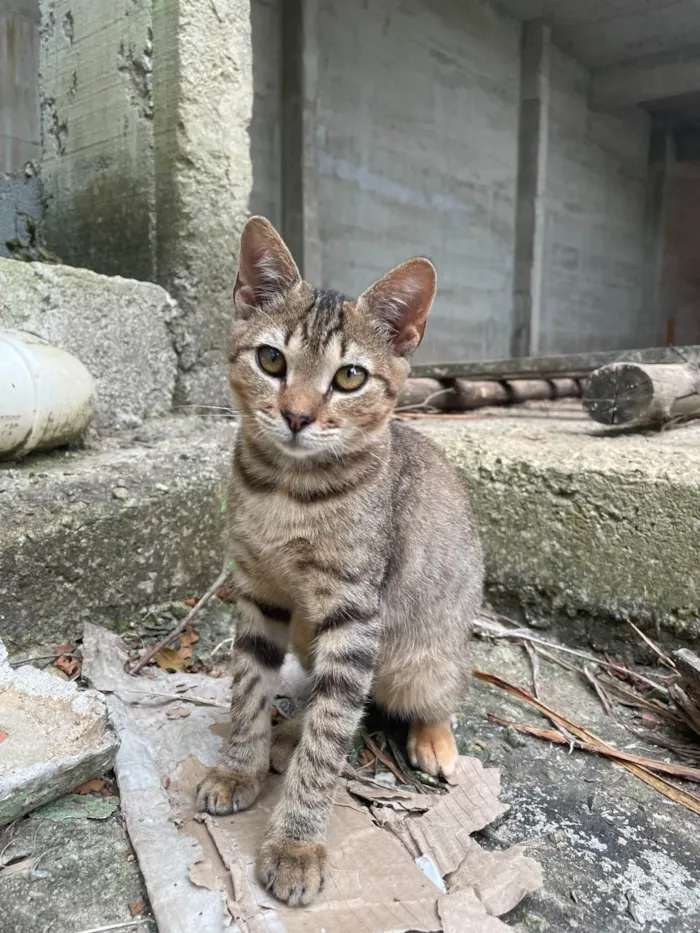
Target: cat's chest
{"x": 279, "y": 532}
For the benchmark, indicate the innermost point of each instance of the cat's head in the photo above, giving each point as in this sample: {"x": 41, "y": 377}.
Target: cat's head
{"x": 314, "y": 372}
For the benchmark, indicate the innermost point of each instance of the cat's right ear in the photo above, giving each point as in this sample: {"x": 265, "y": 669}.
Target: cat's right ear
{"x": 266, "y": 269}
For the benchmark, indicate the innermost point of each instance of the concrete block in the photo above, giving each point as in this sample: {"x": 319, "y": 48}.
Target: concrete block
{"x": 582, "y": 529}
{"x": 97, "y": 535}
{"x": 120, "y": 329}
{"x": 57, "y": 737}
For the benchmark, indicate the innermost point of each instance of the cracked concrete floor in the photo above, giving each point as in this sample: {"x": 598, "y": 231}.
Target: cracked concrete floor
{"x": 616, "y": 855}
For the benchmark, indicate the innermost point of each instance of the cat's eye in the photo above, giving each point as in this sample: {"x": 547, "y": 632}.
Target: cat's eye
{"x": 272, "y": 361}
{"x": 350, "y": 378}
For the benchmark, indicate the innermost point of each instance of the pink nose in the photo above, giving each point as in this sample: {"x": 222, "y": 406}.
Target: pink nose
{"x": 297, "y": 422}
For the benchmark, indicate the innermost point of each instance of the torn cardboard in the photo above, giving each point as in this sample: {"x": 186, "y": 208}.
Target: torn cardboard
{"x": 392, "y": 854}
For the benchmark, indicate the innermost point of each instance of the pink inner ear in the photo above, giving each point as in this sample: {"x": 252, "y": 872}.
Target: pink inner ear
{"x": 266, "y": 268}
{"x": 401, "y": 302}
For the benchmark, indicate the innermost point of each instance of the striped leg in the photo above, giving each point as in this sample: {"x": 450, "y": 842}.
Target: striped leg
{"x": 262, "y": 634}
{"x": 293, "y": 855}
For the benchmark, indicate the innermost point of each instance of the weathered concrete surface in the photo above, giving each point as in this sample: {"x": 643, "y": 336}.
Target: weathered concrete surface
{"x": 57, "y": 737}
{"x": 87, "y": 877}
{"x": 20, "y": 193}
{"x": 119, "y": 328}
{"x": 578, "y": 526}
{"x": 99, "y": 534}
{"x": 416, "y": 148}
{"x": 202, "y": 107}
{"x": 616, "y": 855}
{"x": 578, "y": 529}
{"x": 19, "y": 92}
{"x": 97, "y": 155}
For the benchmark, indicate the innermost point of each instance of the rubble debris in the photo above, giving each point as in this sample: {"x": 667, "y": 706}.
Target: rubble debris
{"x": 57, "y": 738}
{"x": 386, "y": 843}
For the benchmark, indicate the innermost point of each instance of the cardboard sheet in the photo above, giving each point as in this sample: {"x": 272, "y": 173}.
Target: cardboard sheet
{"x": 398, "y": 862}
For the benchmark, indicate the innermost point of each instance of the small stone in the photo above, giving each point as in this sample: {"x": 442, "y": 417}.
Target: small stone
{"x": 120, "y": 492}
{"x": 514, "y": 738}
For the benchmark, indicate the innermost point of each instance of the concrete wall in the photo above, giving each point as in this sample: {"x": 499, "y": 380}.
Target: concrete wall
{"x": 20, "y": 144}
{"x": 19, "y": 96}
{"x": 594, "y": 228}
{"x": 680, "y": 281}
{"x": 265, "y": 129}
{"x": 417, "y": 121}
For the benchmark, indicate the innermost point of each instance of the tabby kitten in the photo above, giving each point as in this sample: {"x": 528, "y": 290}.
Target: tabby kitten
{"x": 353, "y": 544}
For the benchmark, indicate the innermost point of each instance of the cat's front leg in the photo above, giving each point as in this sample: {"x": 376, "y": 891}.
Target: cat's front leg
{"x": 293, "y": 856}
{"x": 262, "y": 635}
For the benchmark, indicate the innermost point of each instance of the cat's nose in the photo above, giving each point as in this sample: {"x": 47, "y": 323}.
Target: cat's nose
{"x": 297, "y": 422}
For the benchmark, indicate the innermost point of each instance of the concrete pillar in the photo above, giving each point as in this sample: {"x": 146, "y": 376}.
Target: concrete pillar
{"x": 146, "y": 156}
{"x": 97, "y": 132}
{"x": 533, "y": 143}
{"x": 203, "y": 101}
{"x": 662, "y": 159}
{"x": 300, "y": 216}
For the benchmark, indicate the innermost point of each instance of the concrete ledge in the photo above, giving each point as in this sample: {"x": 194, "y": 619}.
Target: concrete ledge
{"x": 96, "y": 535}
{"x": 580, "y": 526}
{"x": 119, "y": 328}
{"x": 577, "y": 528}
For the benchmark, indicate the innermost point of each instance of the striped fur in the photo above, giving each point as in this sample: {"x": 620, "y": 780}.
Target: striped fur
{"x": 353, "y": 545}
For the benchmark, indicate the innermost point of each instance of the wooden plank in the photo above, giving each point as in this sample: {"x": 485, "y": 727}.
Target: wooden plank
{"x": 575, "y": 365}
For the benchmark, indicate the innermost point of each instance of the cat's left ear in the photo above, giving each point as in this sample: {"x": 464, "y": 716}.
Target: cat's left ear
{"x": 266, "y": 268}
{"x": 400, "y": 302}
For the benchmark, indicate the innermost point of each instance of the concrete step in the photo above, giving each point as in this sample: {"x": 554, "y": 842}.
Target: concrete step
{"x": 579, "y": 529}
{"x": 98, "y": 534}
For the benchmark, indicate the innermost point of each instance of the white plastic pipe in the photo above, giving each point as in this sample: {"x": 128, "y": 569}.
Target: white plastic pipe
{"x": 47, "y": 396}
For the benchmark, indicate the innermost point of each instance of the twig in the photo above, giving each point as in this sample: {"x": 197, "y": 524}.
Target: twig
{"x": 197, "y": 701}
{"x": 221, "y": 644}
{"x": 385, "y": 759}
{"x": 663, "y": 786}
{"x": 493, "y": 630}
{"x": 425, "y": 403}
{"x": 45, "y": 657}
{"x": 535, "y": 662}
{"x": 602, "y": 695}
{"x": 404, "y": 765}
{"x": 181, "y": 626}
{"x": 119, "y": 926}
{"x": 679, "y": 771}
{"x": 654, "y": 647}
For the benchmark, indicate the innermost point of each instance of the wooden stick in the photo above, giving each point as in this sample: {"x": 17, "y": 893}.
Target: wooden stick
{"x": 551, "y": 735}
{"x": 466, "y": 395}
{"x": 181, "y": 626}
{"x": 642, "y": 394}
{"x": 574, "y": 365}
{"x": 583, "y": 735}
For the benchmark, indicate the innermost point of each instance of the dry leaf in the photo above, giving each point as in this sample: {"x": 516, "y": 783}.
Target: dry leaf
{"x": 191, "y": 602}
{"x": 366, "y": 757}
{"x": 65, "y": 648}
{"x": 169, "y": 660}
{"x": 90, "y": 787}
{"x": 69, "y": 666}
{"x": 3, "y": 735}
{"x": 136, "y": 908}
{"x": 187, "y": 639}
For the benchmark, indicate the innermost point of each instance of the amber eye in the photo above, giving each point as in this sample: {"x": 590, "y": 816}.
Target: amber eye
{"x": 350, "y": 378}
{"x": 271, "y": 361}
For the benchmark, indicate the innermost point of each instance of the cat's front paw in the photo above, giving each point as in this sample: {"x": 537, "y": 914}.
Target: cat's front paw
{"x": 293, "y": 871}
{"x": 224, "y": 791}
